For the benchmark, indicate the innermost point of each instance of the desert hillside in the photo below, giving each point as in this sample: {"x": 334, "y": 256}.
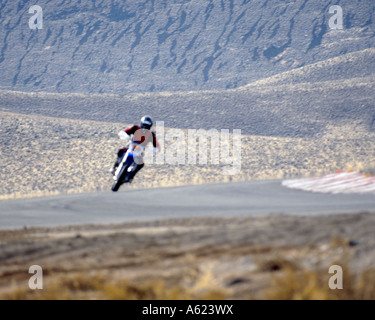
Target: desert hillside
{"x": 303, "y": 102}
{"x": 42, "y": 156}
{"x": 156, "y": 45}
{"x": 301, "y": 93}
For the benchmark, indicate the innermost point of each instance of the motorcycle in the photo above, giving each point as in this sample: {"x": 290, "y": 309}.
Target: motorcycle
{"x": 127, "y": 165}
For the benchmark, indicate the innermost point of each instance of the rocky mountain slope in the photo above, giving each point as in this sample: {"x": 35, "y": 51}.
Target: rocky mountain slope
{"x": 112, "y": 46}
{"x": 303, "y": 102}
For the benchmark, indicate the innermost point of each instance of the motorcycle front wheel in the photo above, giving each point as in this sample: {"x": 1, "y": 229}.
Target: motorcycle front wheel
{"x": 117, "y": 184}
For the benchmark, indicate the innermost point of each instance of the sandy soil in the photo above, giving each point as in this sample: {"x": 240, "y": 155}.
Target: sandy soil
{"x": 42, "y": 156}
{"x": 242, "y": 257}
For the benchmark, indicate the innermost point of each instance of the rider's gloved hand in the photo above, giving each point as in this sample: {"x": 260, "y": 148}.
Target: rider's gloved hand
{"x": 124, "y": 136}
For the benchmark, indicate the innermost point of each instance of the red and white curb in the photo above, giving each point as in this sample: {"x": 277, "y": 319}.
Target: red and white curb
{"x": 340, "y": 182}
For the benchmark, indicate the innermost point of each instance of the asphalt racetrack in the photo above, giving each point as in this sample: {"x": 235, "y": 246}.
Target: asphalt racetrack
{"x": 253, "y": 198}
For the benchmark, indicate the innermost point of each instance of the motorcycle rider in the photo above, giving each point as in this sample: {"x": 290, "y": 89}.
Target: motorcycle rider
{"x": 141, "y": 134}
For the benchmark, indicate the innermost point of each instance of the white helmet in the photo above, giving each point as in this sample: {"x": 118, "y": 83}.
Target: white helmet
{"x": 146, "y": 122}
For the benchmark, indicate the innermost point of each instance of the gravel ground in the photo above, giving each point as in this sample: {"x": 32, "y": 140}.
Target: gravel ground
{"x": 240, "y": 256}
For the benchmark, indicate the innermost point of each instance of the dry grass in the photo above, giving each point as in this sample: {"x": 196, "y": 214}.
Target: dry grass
{"x": 98, "y": 287}
{"x": 313, "y": 285}
{"x": 278, "y": 257}
{"x": 291, "y": 284}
